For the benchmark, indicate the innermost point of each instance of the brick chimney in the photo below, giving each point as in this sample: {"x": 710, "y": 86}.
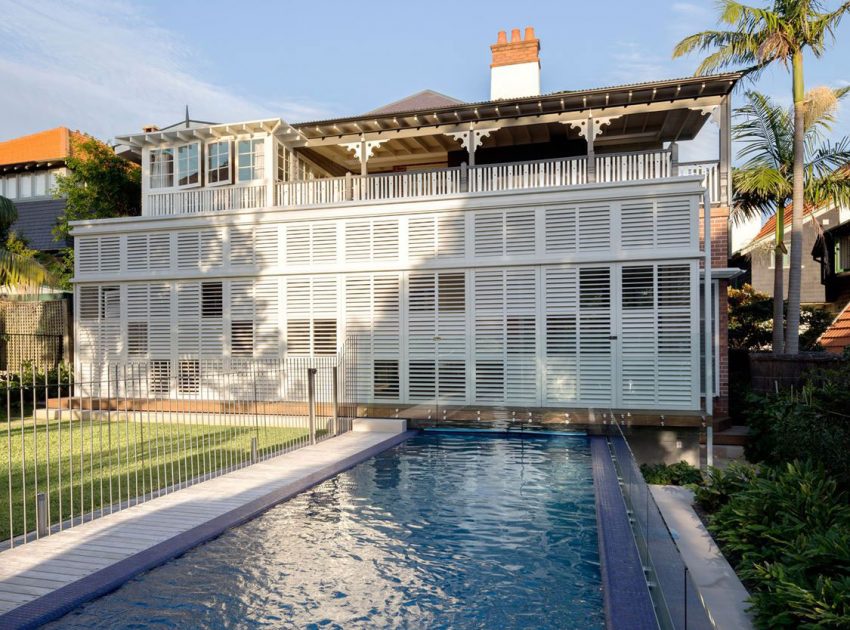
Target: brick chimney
{"x": 515, "y": 70}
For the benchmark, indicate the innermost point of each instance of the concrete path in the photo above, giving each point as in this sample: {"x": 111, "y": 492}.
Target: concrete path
{"x": 718, "y": 585}
{"x": 46, "y": 578}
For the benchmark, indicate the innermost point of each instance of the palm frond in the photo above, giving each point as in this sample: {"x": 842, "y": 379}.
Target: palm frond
{"x": 22, "y": 271}
{"x": 8, "y": 212}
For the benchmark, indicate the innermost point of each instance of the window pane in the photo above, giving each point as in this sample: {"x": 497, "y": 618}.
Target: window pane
{"x": 218, "y": 162}
{"x": 188, "y": 164}
{"x": 162, "y": 168}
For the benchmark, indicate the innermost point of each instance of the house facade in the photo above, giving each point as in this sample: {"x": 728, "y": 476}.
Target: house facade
{"x": 28, "y": 169}
{"x": 523, "y": 256}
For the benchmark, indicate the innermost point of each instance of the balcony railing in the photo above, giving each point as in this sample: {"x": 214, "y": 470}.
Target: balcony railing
{"x": 553, "y": 173}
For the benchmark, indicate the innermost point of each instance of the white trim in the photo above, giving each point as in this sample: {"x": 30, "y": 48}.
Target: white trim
{"x": 177, "y": 173}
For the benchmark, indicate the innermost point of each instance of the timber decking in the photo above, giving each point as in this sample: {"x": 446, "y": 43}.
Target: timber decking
{"x": 47, "y": 578}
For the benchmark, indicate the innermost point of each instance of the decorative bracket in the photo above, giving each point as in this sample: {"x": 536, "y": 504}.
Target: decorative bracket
{"x": 710, "y": 110}
{"x": 357, "y": 147}
{"x": 476, "y": 135}
{"x": 591, "y": 122}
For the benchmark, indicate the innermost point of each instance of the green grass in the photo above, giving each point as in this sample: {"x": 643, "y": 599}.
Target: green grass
{"x": 103, "y": 463}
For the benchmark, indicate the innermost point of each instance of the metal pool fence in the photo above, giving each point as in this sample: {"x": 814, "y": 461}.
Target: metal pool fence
{"x": 677, "y": 601}
{"x": 79, "y": 446}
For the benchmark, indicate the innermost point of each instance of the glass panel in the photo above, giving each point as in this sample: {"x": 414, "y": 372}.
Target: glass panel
{"x": 189, "y": 164}
{"x": 218, "y": 162}
{"x": 249, "y": 159}
{"x": 162, "y": 168}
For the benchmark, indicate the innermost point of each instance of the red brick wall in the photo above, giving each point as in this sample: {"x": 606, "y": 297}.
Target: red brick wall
{"x": 720, "y": 258}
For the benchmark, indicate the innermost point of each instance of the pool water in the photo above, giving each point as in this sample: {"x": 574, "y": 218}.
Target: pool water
{"x": 442, "y": 531}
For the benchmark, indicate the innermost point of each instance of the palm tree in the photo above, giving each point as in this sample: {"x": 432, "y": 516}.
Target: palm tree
{"x": 761, "y": 37}
{"x": 764, "y": 184}
{"x": 17, "y": 270}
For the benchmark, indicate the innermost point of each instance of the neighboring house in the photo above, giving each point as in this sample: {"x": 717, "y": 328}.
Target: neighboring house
{"x": 826, "y": 283}
{"x": 532, "y": 254}
{"x": 836, "y": 338}
{"x": 28, "y": 169}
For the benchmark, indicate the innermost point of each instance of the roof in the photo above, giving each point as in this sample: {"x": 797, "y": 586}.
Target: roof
{"x": 426, "y": 99}
{"x": 769, "y": 228}
{"x": 53, "y": 144}
{"x": 667, "y": 90}
{"x": 36, "y": 220}
{"x": 837, "y": 337}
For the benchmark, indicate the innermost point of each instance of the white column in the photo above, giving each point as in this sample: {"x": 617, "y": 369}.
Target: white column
{"x": 269, "y": 164}
{"x": 146, "y": 179}
{"x": 708, "y": 294}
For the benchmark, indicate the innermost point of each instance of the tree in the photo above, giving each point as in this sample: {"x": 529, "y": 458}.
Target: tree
{"x": 98, "y": 185}
{"x": 17, "y": 269}
{"x": 761, "y": 37}
{"x": 764, "y": 183}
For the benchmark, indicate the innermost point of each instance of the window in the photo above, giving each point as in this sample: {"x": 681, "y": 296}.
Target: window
{"x": 162, "y": 168}
{"x": 26, "y": 186}
{"x": 386, "y": 379}
{"x": 250, "y": 155}
{"x": 11, "y": 187}
{"x": 189, "y": 164}
{"x": 218, "y": 163}
{"x": 282, "y": 163}
{"x": 842, "y": 254}
{"x": 786, "y": 260}
{"x": 324, "y": 336}
{"x": 110, "y": 302}
{"x": 189, "y": 376}
{"x": 211, "y": 300}
{"x": 160, "y": 377}
{"x": 637, "y": 287}
{"x": 242, "y": 338}
{"x": 137, "y": 339}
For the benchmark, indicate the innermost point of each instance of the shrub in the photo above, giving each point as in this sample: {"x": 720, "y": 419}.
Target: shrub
{"x": 787, "y": 531}
{"x": 720, "y": 484}
{"x": 811, "y": 424}
{"x": 679, "y": 474}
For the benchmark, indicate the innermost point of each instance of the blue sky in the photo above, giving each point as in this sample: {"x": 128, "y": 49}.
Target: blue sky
{"x": 110, "y": 66}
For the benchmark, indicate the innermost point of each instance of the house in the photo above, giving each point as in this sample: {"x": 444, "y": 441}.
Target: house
{"x": 824, "y": 279}
{"x": 28, "y": 169}
{"x": 523, "y": 256}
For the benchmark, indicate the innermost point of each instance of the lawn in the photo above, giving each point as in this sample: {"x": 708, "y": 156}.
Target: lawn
{"x": 90, "y": 465}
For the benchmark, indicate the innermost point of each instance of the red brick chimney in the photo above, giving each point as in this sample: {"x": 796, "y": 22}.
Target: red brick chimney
{"x": 515, "y": 70}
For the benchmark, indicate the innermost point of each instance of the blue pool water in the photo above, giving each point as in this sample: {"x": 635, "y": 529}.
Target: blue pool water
{"x": 443, "y": 531}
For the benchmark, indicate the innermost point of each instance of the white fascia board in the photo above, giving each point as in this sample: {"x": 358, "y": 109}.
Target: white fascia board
{"x": 275, "y": 126}
{"x": 532, "y": 197}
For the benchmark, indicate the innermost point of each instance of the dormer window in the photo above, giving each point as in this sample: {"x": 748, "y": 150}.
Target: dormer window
{"x": 218, "y": 163}
{"x": 250, "y": 158}
{"x": 162, "y": 168}
{"x": 189, "y": 165}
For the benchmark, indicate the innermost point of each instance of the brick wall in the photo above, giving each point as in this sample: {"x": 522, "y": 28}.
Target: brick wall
{"x": 719, "y": 236}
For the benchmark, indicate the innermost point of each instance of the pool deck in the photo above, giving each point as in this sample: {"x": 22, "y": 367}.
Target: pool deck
{"x": 718, "y": 585}
{"x": 48, "y": 578}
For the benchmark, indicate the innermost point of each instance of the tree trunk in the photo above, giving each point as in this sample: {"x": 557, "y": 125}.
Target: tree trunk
{"x": 792, "y": 324}
{"x": 778, "y": 291}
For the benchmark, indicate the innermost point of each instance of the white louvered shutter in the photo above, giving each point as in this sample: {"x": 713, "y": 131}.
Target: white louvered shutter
{"x": 594, "y": 336}
{"x": 561, "y": 330}
{"x": 594, "y": 227}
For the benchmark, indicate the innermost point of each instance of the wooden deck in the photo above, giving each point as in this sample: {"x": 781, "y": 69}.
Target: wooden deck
{"x": 49, "y": 577}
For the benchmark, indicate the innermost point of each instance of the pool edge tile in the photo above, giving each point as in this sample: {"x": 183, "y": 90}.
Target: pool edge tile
{"x": 625, "y": 593}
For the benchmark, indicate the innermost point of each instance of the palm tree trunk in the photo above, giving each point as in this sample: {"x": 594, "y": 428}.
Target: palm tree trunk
{"x": 778, "y": 293}
{"x": 792, "y": 325}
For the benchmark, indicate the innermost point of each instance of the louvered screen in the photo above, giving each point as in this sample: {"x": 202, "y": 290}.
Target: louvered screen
{"x": 371, "y": 240}
{"x": 650, "y": 223}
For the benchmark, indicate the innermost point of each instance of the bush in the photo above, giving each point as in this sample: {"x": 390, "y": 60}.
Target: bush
{"x": 679, "y": 474}
{"x": 787, "y": 531}
{"x": 811, "y": 424}
{"x": 720, "y": 484}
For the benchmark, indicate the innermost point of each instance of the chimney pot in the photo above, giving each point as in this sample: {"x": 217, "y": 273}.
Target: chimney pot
{"x": 515, "y": 35}
{"x": 529, "y": 32}
{"x": 149, "y": 128}
{"x": 502, "y": 38}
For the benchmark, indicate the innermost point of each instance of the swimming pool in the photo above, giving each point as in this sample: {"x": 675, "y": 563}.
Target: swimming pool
{"x": 445, "y": 530}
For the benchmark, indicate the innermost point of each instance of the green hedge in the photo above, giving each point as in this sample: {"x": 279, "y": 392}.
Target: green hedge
{"x": 679, "y": 474}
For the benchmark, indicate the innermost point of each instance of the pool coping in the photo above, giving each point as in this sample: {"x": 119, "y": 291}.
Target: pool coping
{"x": 60, "y": 602}
{"x": 625, "y": 592}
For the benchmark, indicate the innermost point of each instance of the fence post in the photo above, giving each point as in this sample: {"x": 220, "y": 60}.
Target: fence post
{"x": 335, "y": 399}
{"x": 41, "y": 515}
{"x": 253, "y": 450}
{"x": 311, "y": 402}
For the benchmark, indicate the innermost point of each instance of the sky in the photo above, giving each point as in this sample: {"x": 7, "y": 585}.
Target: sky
{"x": 108, "y": 67}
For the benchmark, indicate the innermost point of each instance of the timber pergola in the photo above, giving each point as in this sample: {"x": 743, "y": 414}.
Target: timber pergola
{"x": 633, "y": 116}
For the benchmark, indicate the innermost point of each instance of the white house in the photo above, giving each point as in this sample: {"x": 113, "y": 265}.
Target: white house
{"x": 532, "y": 252}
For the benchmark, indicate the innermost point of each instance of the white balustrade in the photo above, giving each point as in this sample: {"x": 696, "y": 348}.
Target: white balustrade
{"x": 572, "y": 171}
{"x": 623, "y": 167}
{"x": 519, "y": 175}
{"x": 205, "y": 200}
{"x": 708, "y": 168}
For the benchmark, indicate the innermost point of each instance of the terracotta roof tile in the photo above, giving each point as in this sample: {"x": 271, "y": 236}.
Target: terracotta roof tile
{"x": 53, "y": 144}
{"x": 837, "y": 336}
{"x": 769, "y": 228}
